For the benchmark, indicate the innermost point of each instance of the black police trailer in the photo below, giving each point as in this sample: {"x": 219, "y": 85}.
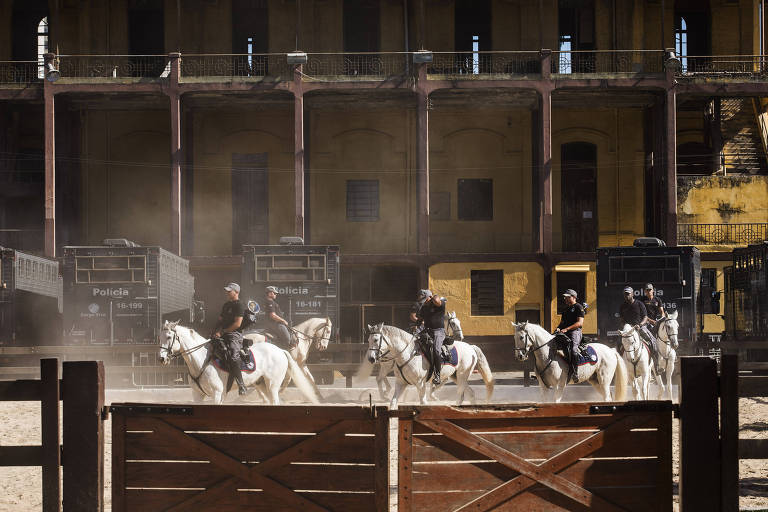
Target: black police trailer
{"x": 121, "y": 293}
{"x": 675, "y": 273}
{"x": 30, "y": 299}
{"x": 746, "y": 288}
{"x": 306, "y": 277}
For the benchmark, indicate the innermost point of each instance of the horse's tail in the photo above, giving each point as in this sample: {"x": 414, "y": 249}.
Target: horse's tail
{"x": 485, "y": 372}
{"x": 621, "y": 378}
{"x": 302, "y": 382}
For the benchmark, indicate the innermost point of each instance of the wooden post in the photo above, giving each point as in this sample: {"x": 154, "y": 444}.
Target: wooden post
{"x": 729, "y": 432}
{"x": 83, "y": 435}
{"x": 699, "y": 439}
{"x": 176, "y": 155}
{"x": 422, "y": 148}
{"x": 298, "y": 150}
{"x": 118, "y": 464}
{"x": 49, "y": 418}
{"x": 404, "y": 465}
{"x": 50, "y": 164}
{"x": 382, "y": 458}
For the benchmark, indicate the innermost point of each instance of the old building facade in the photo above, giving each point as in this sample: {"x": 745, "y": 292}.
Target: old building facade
{"x": 482, "y": 148}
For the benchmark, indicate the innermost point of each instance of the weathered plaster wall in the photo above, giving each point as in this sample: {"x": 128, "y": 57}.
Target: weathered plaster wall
{"x": 523, "y": 289}
{"x": 722, "y": 199}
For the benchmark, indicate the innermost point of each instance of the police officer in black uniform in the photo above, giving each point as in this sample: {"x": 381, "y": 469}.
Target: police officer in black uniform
{"x": 654, "y": 307}
{"x": 228, "y": 329}
{"x": 414, "y": 324}
{"x": 571, "y": 322}
{"x": 432, "y": 313}
{"x": 276, "y": 324}
{"x": 634, "y": 313}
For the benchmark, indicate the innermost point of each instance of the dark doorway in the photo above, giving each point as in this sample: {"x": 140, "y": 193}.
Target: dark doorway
{"x": 250, "y": 35}
{"x": 579, "y": 196}
{"x": 146, "y": 29}
{"x": 472, "y": 29}
{"x": 27, "y": 15}
{"x": 576, "y": 26}
{"x": 576, "y": 281}
{"x": 250, "y": 200}
{"x": 361, "y": 25}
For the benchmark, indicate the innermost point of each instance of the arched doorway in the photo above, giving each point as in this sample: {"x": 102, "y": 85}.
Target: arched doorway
{"x": 579, "y": 196}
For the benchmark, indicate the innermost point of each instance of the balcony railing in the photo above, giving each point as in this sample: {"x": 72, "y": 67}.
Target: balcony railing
{"x": 19, "y": 72}
{"x": 723, "y": 65}
{"x": 483, "y": 65}
{"x": 235, "y": 65}
{"x": 357, "y": 66}
{"x": 114, "y": 66}
{"x": 721, "y": 234}
{"x": 607, "y": 62}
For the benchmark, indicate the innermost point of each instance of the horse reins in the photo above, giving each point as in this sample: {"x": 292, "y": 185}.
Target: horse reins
{"x": 188, "y": 351}
{"x": 551, "y": 358}
{"x": 313, "y": 338}
{"x": 399, "y": 367}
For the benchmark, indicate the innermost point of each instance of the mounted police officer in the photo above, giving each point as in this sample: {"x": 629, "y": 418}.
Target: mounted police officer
{"x": 228, "y": 329}
{"x": 276, "y": 325}
{"x": 432, "y": 314}
{"x": 414, "y": 324}
{"x": 571, "y": 322}
{"x": 634, "y": 313}
{"x": 654, "y": 307}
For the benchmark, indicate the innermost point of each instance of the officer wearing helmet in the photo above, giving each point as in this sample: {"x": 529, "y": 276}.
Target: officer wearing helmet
{"x": 414, "y": 323}
{"x": 276, "y": 324}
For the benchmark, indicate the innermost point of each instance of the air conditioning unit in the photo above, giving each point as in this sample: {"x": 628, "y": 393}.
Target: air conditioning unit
{"x": 291, "y": 240}
{"x": 119, "y": 242}
{"x": 649, "y": 241}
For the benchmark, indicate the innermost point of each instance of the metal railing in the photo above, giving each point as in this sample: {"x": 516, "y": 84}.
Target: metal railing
{"x": 19, "y": 71}
{"x": 484, "y": 65}
{"x": 250, "y": 65}
{"x": 721, "y": 234}
{"x": 114, "y": 66}
{"x": 607, "y": 61}
{"x": 723, "y": 65}
{"x": 375, "y": 66}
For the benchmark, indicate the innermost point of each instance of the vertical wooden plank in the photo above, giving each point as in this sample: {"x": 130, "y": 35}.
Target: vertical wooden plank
{"x": 699, "y": 437}
{"x": 118, "y": 462}
{"x": 664, "y": 453}
{"x": 382, "y": 459}
{"x": 83, "y": 435}
{"x": 729, "y": 432}
{"x": 49, "y": 418}
{"x": 404, "y": 465}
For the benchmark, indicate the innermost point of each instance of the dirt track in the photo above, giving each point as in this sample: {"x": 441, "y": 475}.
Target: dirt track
{"x": 20, "y": 489}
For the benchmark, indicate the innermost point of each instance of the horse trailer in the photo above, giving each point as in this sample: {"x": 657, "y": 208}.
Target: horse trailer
{"x": 675, "y": 273}
{"x": 30, "y": 299}
{"x": 120, "y": 293}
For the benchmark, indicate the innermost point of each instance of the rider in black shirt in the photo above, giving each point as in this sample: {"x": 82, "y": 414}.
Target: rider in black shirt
{"x": 570, "y": 325}
{"x": 432, "y": 313}
{"x": 276, "y": 323}
{"x": 414, "y": 324}
{"x": 228, "y": 329}
{"x": 654, "y": 307}
{"x": 634, "y": 313}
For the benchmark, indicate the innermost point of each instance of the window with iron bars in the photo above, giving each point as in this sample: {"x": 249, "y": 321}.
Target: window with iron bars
{"x": 487, "y": 292}
{"x": 362, "y": 200}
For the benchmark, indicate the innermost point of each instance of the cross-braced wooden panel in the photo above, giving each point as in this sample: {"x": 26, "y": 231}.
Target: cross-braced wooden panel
{"x": 254, "y": 457}
{"x": 547, "y": 458}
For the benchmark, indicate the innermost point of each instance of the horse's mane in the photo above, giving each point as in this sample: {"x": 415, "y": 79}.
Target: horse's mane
{"x": 538, "y": 329}
{"x": 392, "y": 330}
{"x": 305, "y": 322}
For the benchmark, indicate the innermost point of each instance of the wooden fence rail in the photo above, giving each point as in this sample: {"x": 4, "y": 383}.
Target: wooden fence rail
{"x": 81, "y": 458}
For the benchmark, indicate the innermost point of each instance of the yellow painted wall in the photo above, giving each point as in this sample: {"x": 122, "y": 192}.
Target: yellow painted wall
{"x": 363, "y": 146}
{"x": 217, "y": 135}
{"x": 126, "y": 176}
{"x": 523, "y": 289}
{"x": 483, "y": 144}
{"x": 618, "y": 134}
{"x": 590, "y": 321}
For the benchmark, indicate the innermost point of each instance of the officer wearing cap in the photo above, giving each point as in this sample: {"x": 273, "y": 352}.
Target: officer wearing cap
{"x": 634, "y": 313}
{"x": 228, "y": 329}
{"x": 571, "y": 322}
{"x": 432, "y": 314}
{"x": 414, "y": 323}
{"x": 276, "y": 324}
{"x": 653, "y": 306}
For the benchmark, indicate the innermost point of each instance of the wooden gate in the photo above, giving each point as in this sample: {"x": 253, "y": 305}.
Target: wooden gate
{"x": 536, "y": 457}
{"x": 203, "y": 457}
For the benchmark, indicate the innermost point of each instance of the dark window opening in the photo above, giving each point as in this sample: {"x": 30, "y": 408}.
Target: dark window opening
{"x": 708, "y": 288}
{"x": 576, "y": 281}
{"x": 361, "y": 26}
{"x": 487, "y": 292}
{"x": 250, "y": 36}
{"x": 532, "y": 316}
{"x": 579, "y": 196}
{"x": 576, "y": 33}
{"x": 362, "y": 200}
{"x": 475, "y": 199}
{"x": 692, "y": 37}
{"x": 146, "y": 36}
{"x": 694, "y": 158}
{"x": 250, "y": 200}
{"x": 26, "y": 23}
{"x": 30, "y": 166}
{"x": 472, "y": 29}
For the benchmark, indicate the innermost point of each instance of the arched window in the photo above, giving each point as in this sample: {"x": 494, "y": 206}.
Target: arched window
{"x": 681, "y": 41}
{"x": 42, "y": 46}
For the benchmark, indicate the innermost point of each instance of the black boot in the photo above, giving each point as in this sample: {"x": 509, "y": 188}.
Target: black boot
{"x": 436, "y": 378}
{"x": 234, "y": 368}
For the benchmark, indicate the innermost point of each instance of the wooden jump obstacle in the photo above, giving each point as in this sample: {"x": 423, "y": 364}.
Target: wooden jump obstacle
{"x": 82, "y": 455}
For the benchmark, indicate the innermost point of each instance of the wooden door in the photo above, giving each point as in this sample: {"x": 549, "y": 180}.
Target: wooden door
{"x": 579, "y": 196}
{"x": 250, "y": 200}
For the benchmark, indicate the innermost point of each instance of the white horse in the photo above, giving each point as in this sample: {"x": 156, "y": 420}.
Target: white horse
{"x": 315, "y": 332}
{"x": 413, "y": 369}
{"x": 638, "y": 360}
{"x": 385, "y": 368}
{"x": 552, "y": 368}
{"x": 667, "y": 344}
{"x": 273, "y": 366}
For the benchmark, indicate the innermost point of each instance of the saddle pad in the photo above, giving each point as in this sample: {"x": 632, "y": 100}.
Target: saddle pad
{"x": 450, "y": 355}
{"x": 590, "y": 357}
{"x": 247, "y": 366}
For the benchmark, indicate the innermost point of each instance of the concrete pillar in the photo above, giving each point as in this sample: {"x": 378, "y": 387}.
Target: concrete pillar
{"x": 543, "y": 235}
{"x": 422, "y": 130}
{"x": 176, "y": 155}
{"x": 50, "y": 165}
{"x": 298, "y": 150}
{"x": 670, "y": 163}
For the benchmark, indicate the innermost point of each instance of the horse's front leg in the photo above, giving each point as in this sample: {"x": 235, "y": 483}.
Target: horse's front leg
{"x": 382, "y": 381}
{"x": 668, "y": 373}
{"x": 400, "y": 388}
{"x": 422, "y": 392}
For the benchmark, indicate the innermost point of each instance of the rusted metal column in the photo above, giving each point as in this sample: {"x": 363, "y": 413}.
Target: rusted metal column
{"x": 422, "y": 150}
{"x": 298, "y": 149}
{"x": 176, "y": 155}
{"x": 50, "y": 165}
{"x": 543, "y": 236}
{"x": 670, "y": 162}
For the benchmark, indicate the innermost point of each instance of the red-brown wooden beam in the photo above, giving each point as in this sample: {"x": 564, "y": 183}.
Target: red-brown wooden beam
{"x": 50, "y": 166}
{"x": 176, "y": 154}
{"x": 670, "y": 163}
{"x": 298, "y": 150}
{"x": 543, "y": 236}
{"x": 422, "y": 151}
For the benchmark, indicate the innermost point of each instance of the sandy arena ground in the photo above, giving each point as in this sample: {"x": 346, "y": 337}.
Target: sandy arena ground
{"x": 20, "y": 488}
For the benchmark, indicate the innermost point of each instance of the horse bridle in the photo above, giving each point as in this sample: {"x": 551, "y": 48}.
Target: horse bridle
{"x": 664, "y": 321}
{"x": 380, "y": 354}
{"x": 454, "y": 330}
{"x": 169, "y": 349}
{"x": 314, "y": 338}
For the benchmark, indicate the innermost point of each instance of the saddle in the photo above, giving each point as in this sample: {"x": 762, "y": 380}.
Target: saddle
{"x": 425, "y": 345}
